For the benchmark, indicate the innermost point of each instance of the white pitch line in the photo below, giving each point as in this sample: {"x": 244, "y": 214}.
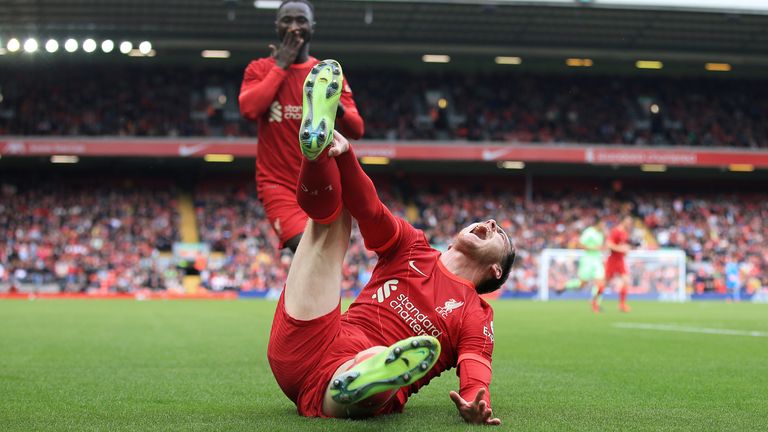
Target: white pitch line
{"x": 685, "y": 329}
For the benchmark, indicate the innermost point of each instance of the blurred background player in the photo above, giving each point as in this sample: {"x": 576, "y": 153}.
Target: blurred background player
{"x": 591, "y": 263}
{"x": 615, "y": 266}
{"x": 271, "y": 94}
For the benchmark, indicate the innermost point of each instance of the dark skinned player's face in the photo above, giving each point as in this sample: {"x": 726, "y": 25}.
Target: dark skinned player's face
{"x": 296, "y": 18}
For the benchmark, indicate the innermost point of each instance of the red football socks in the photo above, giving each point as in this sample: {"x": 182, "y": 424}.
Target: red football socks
{"x": 362, "y": 201}
{"x": 318, "y": 191}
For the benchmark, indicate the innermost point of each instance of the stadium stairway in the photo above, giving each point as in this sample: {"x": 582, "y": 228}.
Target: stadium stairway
{"x": 648, "y": 238}
{"x": 189, "y": 234}
{"x": 187, "y": 220}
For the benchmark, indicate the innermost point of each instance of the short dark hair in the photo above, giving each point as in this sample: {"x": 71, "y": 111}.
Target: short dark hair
{"x": 492, "y": 284}
{"x": 306, "y": 2}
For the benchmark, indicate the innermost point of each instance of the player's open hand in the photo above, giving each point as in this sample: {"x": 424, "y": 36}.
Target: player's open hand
{"x": 475, "y": 412}
{"x": 339, "y": 145}
{"x": 289, "y": 48}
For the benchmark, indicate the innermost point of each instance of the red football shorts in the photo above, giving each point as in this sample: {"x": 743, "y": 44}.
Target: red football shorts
{"x": 614, "y": 267}
{"x": 283, "y": 212}
{"x": 304, "y": 355}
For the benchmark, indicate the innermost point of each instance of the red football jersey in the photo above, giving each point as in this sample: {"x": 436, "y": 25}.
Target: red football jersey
{"x": 411, "y": 293}
{"x": 619, "y": 237}
{"x": 279, "y": 157}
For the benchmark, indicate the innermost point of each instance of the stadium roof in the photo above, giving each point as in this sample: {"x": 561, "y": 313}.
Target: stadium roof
{"x": 372, "y": 29}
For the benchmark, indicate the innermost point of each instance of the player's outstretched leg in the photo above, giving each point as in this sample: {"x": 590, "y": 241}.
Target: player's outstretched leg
{"x": 322, "y": 90}
{"x": 379, "y": 371}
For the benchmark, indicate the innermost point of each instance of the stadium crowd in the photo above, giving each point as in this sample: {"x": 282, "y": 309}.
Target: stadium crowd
{"x": 399, "y": 105}
{"x": 117, "y": 239}
{"x": 725, "y": 238}
{"x": 243, "y": 245}
{"x": 72, "y": 237}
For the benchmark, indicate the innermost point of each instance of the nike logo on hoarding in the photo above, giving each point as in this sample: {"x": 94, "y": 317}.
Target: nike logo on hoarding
{"x": 494, "y": 154}
{"x": 413, "y": 266}
{"x": 189, "y": 150}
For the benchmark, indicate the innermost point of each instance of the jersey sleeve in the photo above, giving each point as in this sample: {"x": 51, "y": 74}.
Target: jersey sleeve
{"x": 260, "y": 84}
{"x": 475, "y": 350}
{"x": 404, "y": 235}
{"x": 351, "y": 123}
{"x": 615, "y": 236}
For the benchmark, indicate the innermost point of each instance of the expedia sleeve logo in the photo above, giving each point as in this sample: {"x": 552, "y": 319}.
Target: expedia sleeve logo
{"x": 488, "y": 333}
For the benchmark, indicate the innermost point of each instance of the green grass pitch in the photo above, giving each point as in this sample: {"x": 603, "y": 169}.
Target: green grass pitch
{"x": 201, "y": 365}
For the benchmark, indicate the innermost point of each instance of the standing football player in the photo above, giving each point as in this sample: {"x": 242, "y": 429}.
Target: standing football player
{"x": 271, "y": 94}
{"x": 616, "y": 266}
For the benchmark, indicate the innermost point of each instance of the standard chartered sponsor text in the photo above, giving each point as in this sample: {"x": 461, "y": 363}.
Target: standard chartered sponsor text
{"x": 419, "y": 322}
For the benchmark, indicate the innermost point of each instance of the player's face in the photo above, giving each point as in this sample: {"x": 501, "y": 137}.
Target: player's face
{"x": 627, "y": 223}
{"x": 486, "y": 241}
{"x": 295, "y": 18}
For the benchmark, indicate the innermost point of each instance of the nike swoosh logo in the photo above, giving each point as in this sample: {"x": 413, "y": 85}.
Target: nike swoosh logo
{"x": 189, "y": 150}
{"x": 413, "y": 266}
{"x": 493, "y": 154}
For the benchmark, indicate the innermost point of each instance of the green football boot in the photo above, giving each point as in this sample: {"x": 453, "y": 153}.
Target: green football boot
{"x": 322, "y": 90}
{"x": 400, "y": 365}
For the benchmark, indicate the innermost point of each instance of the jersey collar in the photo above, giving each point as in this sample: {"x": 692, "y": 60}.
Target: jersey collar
{"x": 452, "y": 276}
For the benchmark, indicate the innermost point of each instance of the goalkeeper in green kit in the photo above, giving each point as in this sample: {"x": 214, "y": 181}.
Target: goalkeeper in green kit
{"x": 591, "y": 266}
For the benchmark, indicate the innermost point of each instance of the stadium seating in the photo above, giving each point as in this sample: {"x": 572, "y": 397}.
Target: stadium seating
{"x": 76, "y": 236}
{"x": 117, "y": 237}
{"x": 400, "y": 105}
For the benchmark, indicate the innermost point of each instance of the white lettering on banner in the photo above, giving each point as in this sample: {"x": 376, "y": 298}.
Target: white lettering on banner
{"x": 617, "y": 156}
{"x": 418, "y": 321}
{"x": 15, "y": 147}
{"x": 50, "y": 148}
{"x": 389, "y": 152}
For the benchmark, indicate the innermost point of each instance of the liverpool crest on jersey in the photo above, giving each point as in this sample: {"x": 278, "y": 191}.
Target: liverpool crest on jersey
{"x": 449, "y": 306}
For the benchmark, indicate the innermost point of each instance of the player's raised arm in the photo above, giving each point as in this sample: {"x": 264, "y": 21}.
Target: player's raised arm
{"x": 258, "y": 89}
{"x": 348, "y": 118}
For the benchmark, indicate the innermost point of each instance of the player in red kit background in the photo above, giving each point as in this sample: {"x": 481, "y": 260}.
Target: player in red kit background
{"x": 319, "y": 355}
{"x": 271, "y": 94}
{"x": 615, "y": 265}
